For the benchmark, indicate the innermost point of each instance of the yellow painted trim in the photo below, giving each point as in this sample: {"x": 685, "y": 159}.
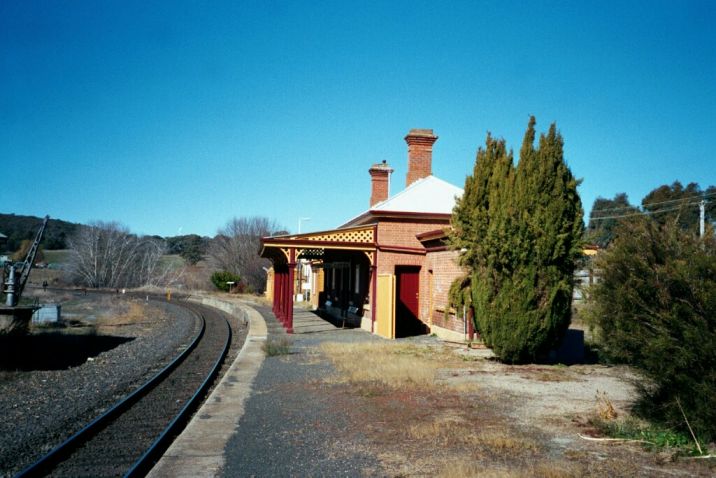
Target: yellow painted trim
{"x": 385, "y": 307}
{"x": 367, "y": 248}
{"x": 333, "y": 234}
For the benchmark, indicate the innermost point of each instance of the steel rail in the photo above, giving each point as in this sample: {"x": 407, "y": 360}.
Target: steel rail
{"x": 62, "y": 451}
{"x": 145, "y": 463}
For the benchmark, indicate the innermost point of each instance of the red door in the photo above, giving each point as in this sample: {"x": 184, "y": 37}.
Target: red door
{"x": 407, "y": 305}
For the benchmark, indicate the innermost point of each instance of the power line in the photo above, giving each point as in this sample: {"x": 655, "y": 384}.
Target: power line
{"x": 685, "y": 198}
{"x": 643, "y": 213}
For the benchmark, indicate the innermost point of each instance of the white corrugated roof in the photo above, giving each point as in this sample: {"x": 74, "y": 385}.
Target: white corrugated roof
{"x": 429, "y": 195}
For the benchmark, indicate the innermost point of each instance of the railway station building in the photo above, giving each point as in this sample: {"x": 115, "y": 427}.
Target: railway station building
{"x": 387, "y": 270}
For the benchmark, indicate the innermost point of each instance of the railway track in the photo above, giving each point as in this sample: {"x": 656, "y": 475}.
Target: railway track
{"x": 128, "y": 438}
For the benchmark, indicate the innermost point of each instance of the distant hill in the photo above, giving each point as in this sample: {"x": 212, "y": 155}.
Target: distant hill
{"x": 18, "y": 228}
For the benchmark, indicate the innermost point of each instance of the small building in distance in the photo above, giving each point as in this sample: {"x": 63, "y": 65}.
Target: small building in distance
{"x": 387, "y": 270}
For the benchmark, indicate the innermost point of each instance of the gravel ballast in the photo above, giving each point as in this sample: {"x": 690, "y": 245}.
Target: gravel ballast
{"x": 42, "y": 407}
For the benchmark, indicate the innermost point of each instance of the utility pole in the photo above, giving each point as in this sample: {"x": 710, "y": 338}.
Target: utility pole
{"x": 702, "y": 217}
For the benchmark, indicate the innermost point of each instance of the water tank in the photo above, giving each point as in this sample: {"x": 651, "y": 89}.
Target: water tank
{"x": 48, "y": 313}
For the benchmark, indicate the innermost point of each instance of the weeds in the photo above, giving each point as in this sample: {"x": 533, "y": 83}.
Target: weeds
{"x": 453, "y": 430}
{"x": 605, "y": 408}
{"x": 273, "y": 347}
{"x": 631, "y": 428}
{"x": 135, "y": 314}
{"x": 652, "y": 436}
{"x": 473, "y": 469}
{"x": 552, "y": 376}
{"x": 500, "y": 442}
{"x": 385, "y": 364}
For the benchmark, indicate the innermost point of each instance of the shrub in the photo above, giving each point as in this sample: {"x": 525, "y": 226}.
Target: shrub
{"x": 277, "y": 346}
{"x": 655, "y": 308}
{"x": 518, "y": 230}
{"x": 220, "y": 279}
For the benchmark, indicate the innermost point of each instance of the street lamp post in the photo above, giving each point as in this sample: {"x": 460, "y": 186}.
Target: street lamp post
{"x": 299, "y": 276}
{"x": 300, "y": 220}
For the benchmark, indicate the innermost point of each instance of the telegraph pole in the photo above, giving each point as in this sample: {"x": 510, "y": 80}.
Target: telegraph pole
{"x": 702, "y": 217}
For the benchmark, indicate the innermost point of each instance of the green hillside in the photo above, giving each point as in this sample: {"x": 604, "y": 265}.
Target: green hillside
{"x": 18, "y": 228}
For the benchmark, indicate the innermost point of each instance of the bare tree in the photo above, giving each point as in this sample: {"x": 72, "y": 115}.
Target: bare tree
{"x": 108, "y": 255}
{"x": 152, "y": 270}
{"x": 236, "y": 249}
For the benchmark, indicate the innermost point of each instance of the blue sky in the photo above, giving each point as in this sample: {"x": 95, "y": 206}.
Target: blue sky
{"x": 172, "y": 117}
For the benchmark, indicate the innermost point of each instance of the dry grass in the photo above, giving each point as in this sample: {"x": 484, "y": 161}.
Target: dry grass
{"x": 473, "y": 469}
{"x": 443, "y": 431}
{"x": 426, "y": 411}
{"x": 391, "y": 365}
{"x": 136, "y": 313}
{"x": 552, "y": 376}
{"x": 605, "y": 409}
{"x": 466, "y": 387}
{"x": 453, "y": 430}
{"x": 273, "y": 347}
{"x": 498, "y": 441}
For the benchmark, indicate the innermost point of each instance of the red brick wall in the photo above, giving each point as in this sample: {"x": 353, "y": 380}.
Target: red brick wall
{"x": 445, "y": 270}
{"x": 443, "y": 264}
{"x": 420, "y": 154}
{"x": 378, "y": 186}
{"x": 451, "y": 322}
{"x": 419, "y": 164}
{"x": 401, "y": 233}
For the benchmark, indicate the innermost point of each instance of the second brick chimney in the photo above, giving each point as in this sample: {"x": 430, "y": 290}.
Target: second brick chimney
{"x": 420, "y": 154}
{"x": 379, "y": 182}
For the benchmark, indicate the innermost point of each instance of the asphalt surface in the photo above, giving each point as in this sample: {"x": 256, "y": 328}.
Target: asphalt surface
{"x": 291, "y": 425}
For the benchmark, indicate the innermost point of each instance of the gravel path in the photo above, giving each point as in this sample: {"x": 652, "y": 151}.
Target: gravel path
{"x": 41, "y": 407}
{"x": 290, "y": 427}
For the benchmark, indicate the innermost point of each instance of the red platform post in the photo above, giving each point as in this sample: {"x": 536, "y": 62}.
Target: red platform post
{"x": 275, "y": 290}
{"x": 290, "y": 279}
{"x": 282, "y": 304}
{"x": 279, "y": 296}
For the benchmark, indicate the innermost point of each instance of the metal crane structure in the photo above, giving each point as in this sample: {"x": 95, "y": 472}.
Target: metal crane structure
{"x": 12, "y": 316}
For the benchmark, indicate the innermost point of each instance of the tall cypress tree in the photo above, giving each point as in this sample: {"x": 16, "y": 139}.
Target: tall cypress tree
{"x": 472, "y": 213}
{"x": 480, "y": 228}
{"x": 552, "y": 246}
{"x": 522, "y": 253}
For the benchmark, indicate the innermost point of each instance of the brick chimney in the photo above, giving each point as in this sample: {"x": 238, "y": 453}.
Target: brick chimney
{"x": 379, "y": 182}
{"x": 420, "y": 154}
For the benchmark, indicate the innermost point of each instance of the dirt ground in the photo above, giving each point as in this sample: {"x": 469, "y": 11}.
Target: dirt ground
{"x": 473, "y": 416}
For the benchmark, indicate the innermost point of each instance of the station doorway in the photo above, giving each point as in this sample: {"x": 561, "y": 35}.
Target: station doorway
{"x": 407, "y": 304}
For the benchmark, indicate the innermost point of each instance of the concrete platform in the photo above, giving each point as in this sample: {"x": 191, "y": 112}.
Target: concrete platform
{"x": 200, "y": 449}
{"x": 306, "y": 322}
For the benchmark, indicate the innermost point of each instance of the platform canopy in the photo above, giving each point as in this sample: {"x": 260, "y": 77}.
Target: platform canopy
{"x": 313, "y": 245}
{"x": 284, "y": 252}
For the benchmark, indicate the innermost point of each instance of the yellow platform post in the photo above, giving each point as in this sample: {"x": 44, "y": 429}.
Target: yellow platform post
{"x": 385, "y": 311}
